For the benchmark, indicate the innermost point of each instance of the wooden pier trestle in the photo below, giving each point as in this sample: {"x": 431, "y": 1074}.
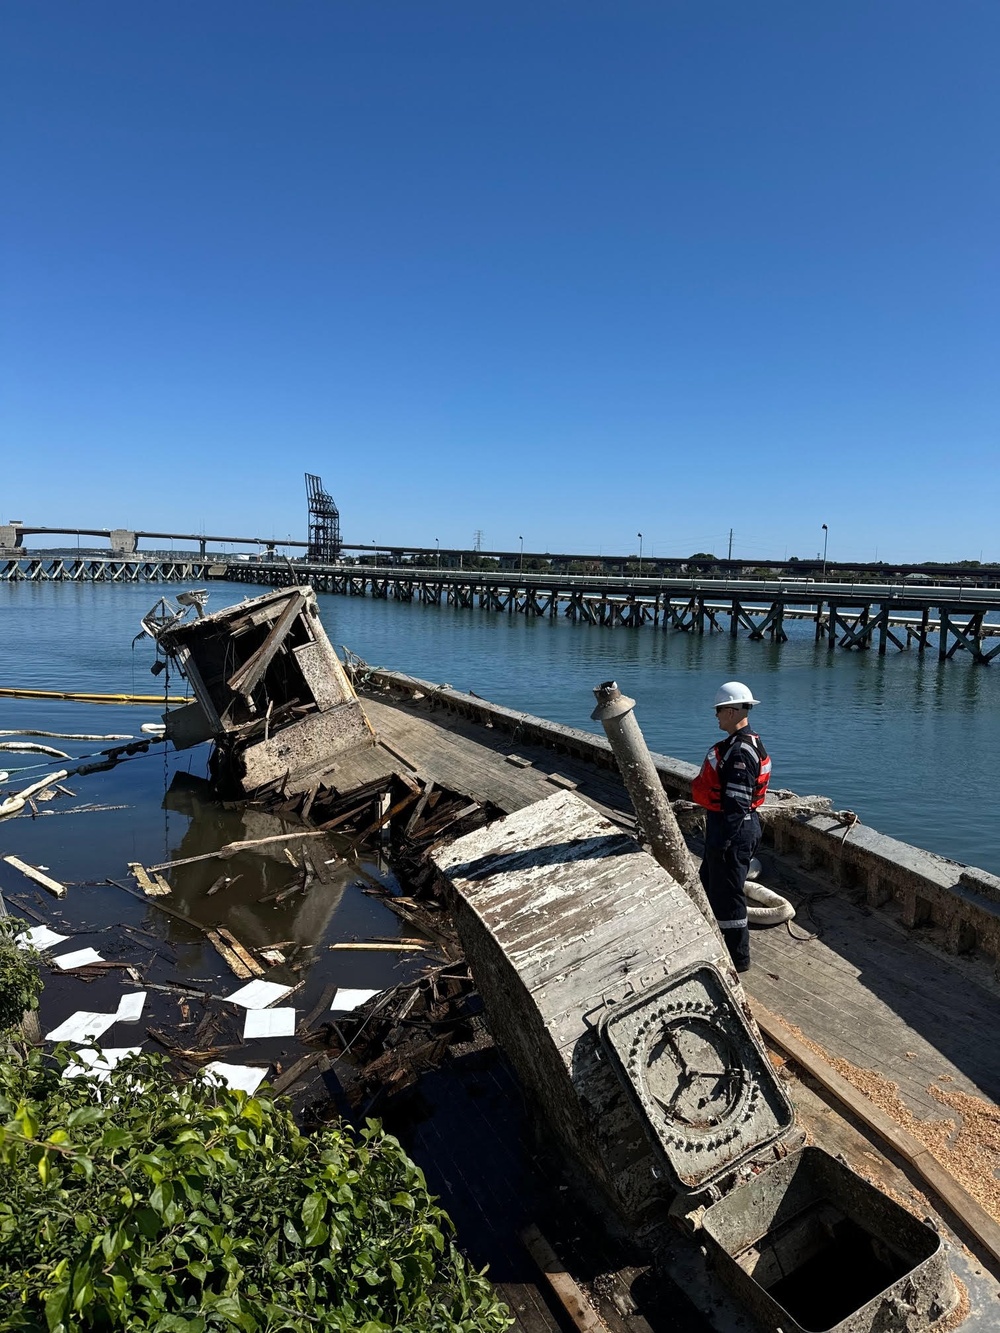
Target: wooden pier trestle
{"x": 102, "y": 569}
{"x": 852, "y": 616}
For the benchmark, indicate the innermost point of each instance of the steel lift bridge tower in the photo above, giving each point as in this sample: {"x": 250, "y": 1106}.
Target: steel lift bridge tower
{"x": 324, "y": 524}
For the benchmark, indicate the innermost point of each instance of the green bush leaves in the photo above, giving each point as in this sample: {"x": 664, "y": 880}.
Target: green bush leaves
{"x": 142, "y": 1204}
{"x": 20, "y": 982}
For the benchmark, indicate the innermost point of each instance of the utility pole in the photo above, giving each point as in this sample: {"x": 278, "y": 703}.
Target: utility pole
{"x": 730, "y": 556}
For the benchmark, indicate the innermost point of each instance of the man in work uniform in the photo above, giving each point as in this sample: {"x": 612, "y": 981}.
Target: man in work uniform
{"x": 731, "y": 786}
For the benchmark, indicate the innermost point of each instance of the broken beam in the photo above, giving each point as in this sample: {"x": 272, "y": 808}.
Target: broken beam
{"x": 53, "y": 885}
{"x": 245, "y": 680}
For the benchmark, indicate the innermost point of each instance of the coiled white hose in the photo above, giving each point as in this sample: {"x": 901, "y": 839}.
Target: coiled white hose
{"x": 765, "y": 907}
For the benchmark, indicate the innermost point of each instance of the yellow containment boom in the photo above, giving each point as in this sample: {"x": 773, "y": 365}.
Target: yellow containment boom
{"x": 7, "y": 693}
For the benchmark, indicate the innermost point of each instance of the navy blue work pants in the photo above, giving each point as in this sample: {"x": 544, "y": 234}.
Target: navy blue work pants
{"x": 724, "y": 874}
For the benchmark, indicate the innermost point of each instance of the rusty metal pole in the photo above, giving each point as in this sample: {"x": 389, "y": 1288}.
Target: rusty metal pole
{"x": 659, "y": 825}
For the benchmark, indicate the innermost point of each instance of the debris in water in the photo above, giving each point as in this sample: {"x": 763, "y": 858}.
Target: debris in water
{"x": 347, "y": 1000}
{"x": 31, "y": 872}
{"x": 269, "y": 1023}
{"x": 246, "y": 1077}
{"x": 259, "y": 994}
{"x": 81, "y": 958}
{"x": 39, "y": 937}
{"x": 130, "y": 1007}
{"x": 82, "y": 1026}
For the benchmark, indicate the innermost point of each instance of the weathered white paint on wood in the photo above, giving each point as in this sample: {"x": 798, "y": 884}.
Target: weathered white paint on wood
{"x": 559, "y": 912}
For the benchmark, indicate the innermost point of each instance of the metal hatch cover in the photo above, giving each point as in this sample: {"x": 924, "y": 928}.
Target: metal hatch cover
{"x": 707, "y": 1094}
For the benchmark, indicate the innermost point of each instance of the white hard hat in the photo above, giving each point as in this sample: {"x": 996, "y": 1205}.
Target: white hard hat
{"x": 734, "y": 692}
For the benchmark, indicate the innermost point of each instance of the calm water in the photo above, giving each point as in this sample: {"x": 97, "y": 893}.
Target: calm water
{"x": 908, "y": 743}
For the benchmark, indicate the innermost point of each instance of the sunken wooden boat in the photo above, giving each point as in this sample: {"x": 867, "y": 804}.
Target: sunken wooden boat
{"x": 771, "y": 1148}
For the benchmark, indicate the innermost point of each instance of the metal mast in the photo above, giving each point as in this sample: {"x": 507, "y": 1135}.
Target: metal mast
{"x": 324, "y": 523}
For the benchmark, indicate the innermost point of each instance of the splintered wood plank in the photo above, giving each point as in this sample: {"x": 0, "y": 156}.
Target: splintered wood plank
{"x": 418, "y": 809}
{"x": 238, "y": 967}
{"x": 152, "y": 885}
{"x": 37, "y": 876}
{"x": 246, "y": 678}
{"x": 242, "y": 953}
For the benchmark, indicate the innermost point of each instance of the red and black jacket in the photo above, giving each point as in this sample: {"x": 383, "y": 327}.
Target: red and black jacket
{"x": 732, "y": 784}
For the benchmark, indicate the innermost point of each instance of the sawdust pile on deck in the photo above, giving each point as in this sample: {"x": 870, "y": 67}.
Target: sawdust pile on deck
{"x": 976, "y": 1147}
{"x": 968, "y": 1147}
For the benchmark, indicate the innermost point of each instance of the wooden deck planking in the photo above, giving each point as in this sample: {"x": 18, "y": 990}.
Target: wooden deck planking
{"x": 461, "y": 755}
{"x": 863, "y": 994}
{"x": 863, "y": 991}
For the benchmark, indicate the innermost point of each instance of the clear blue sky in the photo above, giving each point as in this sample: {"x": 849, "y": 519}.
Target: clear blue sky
{"x": 566, "y": 271}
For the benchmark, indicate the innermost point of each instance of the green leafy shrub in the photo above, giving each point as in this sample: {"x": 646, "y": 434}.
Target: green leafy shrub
{"x": 20, "y": 983}
{"x": 142, "y": 1204}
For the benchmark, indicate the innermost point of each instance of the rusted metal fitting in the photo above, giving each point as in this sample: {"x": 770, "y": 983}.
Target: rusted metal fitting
{"x": 611, "y": 702}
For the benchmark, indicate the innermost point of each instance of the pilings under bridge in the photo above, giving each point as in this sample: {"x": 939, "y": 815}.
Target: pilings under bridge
{"x": 861, "y": 616}
{"x": 102, "y": 569}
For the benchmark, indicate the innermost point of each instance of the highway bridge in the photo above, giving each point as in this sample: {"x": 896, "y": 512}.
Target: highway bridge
{"x": 21, "y": 538}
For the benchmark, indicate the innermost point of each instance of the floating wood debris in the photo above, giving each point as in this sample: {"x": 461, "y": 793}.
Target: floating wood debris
{"x": 222, "y": 948}
{"x": 152, "y": 884}
{"x": 53, "y": 885}
{"x": 285, "y": 1080}
{"x": 223, "y": 882}
{"x": 242, "y": 953}
{"x": 231, "y": 849}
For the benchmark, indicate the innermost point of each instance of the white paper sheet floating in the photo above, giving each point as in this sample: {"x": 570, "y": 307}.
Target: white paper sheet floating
{"x": 258, "y": 994}
{"x": 78, "y": 959}
{"x": 237, "y": 1076}
{"x": 39, "y": 937}
{"x": 269, "y": 1023}
{"x": 82, "y": 1026}
{"x": 99, "y": 1064}
{"x": 130, "y": 1007}
{"x": 346, "y": 999}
